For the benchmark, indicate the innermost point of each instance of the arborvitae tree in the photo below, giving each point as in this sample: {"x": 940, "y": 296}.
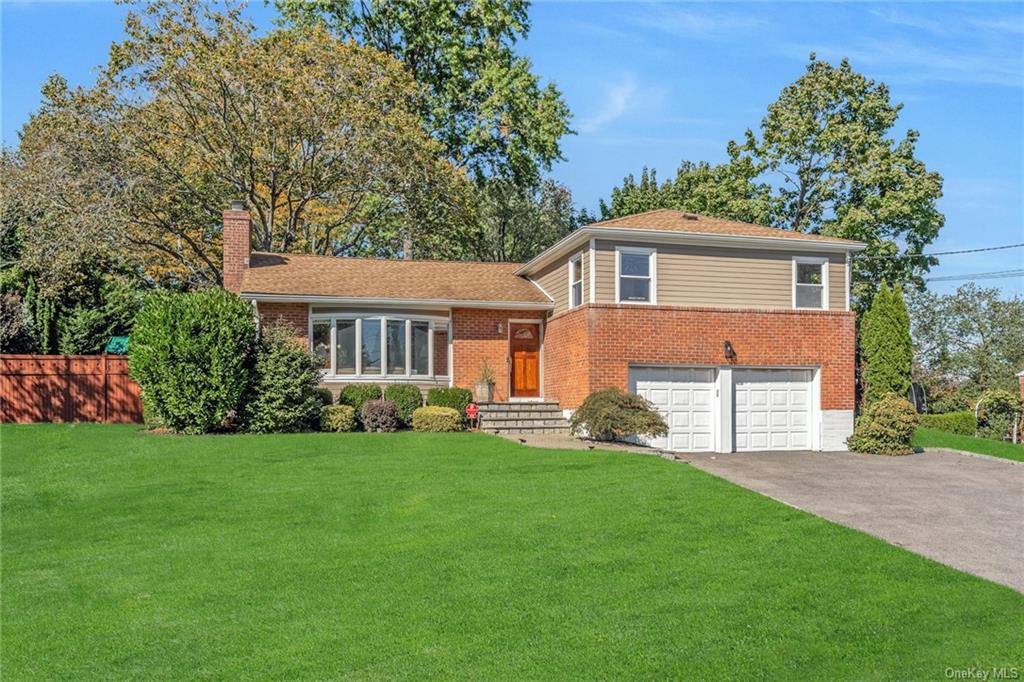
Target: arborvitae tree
{"x": 885, "y": 346}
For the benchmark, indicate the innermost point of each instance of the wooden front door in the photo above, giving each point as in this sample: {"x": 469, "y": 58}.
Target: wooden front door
{"x": 524, "y": 347}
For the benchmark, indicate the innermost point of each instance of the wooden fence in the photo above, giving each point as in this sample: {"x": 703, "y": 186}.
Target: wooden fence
{"x": 68, "y": 388}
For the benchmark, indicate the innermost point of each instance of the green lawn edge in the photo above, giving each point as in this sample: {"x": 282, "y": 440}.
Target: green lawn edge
{"x": 930, "y": 438}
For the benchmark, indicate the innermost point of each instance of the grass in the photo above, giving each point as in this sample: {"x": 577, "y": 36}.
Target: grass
{"x": 371, "y": 556}
{"x": 930, "y": 438}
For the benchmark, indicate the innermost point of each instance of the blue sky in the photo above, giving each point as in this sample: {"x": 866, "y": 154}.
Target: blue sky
{"x": 652, "y": 84}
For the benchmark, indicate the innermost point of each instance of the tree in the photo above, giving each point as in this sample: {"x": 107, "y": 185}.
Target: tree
{"x": 968, "y": 341}
{"x": 724, "y": 191}
{"x": 322, "y": 139}
{"x": 825, "y": 142}
{"x": 518, "y": 224}
{"x": 885, "y": 347}
{"x": 484, "y": 105}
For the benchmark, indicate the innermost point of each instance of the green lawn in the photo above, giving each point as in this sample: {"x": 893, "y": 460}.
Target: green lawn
{"x": 131, "y": 555}
{"x": 929, "y": 438}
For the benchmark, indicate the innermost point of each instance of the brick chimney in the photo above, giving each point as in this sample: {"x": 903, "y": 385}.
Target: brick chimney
{"x": 237, "y": 245}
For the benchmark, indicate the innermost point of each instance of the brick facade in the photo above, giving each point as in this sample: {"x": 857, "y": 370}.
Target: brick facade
{"x": 592, "y": 347}
{"x": 294, "y": 315}
{"x": 237, "y": 236}
{"x": 476, "y": 338}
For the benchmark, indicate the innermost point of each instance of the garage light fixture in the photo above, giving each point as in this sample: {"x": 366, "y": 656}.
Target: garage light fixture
{"x": 730, "y": 353}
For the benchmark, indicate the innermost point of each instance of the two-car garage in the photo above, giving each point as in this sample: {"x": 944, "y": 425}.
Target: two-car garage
{"x": 728, "y": 409}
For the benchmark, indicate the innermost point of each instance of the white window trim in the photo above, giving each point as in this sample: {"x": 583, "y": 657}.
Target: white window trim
{"x": 811, "y": 260}
{"x": 382, "y": 318}
{"x": 593, "y": 270}
{"x": 652, "y": 269}
{"x": 577, "y": 258}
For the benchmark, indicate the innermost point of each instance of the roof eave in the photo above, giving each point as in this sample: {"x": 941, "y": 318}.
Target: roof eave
{"x": 698, "y": 238}
{"x": 403, "y": 302}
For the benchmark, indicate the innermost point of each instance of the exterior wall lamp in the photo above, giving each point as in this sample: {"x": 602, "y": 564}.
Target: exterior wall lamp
{"x": 730, "y": 352}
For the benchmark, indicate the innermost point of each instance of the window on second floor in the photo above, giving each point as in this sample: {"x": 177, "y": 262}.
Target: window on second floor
{"x": 576, "y": 281}
{"x": 635, "y": 280}
{"x": 809, "y": 283}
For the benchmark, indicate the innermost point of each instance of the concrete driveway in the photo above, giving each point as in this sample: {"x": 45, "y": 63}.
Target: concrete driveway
{"x": 966, "y": 512}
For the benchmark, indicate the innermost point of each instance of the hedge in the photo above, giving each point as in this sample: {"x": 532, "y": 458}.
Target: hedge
{"x": 436, "y": 419}
{"x": 355, "y": 395}
{"x": 611, "y": 414}
{"x": 379, "y": 416}
{"x": 284, "y": 395}
{"x": 455, "y": 398}
{"x": 885, "y": 427}
{"x": 963, "y": 423}
{"x": 406, "y": 398}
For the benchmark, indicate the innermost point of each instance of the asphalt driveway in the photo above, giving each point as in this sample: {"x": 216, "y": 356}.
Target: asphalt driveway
{"x": 966, "y": 512}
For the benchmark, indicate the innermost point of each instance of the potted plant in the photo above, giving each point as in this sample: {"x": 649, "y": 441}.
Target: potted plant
{"x": 485, "y": 384}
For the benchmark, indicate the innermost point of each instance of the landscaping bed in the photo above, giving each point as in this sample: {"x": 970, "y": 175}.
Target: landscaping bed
{"x": 318, "y": 555}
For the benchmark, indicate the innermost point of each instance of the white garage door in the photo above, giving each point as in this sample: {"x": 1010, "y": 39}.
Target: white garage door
{"x": 773, "y": 409}
{"x": 685, "y": 397}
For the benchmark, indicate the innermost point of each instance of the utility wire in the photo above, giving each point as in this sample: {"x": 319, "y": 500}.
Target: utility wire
{"x": 997, "y": 274}
{"x": 941, "y": 253}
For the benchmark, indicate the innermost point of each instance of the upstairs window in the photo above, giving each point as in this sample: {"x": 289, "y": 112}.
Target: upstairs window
{"x": 810, "y": 276}
{"x": 576, "y": 281}
{"x": 635, "y": 275}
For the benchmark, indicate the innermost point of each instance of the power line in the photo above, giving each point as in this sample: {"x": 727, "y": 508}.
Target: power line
{"x": 942, "y": 253}
{"x": 996, "y": 274}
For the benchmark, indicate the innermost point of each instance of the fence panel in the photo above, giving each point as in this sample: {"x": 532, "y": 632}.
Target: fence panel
{"x": 58, "y": 388}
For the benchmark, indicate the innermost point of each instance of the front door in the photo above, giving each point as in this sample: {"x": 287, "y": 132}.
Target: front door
{"x": 524, "y": 348}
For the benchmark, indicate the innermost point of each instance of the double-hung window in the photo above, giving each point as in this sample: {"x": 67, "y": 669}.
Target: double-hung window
{"x": 354, "y": 346}
{"x": 810, "y": 283}
{"x": 576, "y": 281}
{"x": 635, "y": 275}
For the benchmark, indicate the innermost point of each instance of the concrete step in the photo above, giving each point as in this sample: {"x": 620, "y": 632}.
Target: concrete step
{"x": 522, "y": 414}
{"x": 530, "y": 417}
{"x": 526, "y": 430}
{"x": 516, "y": 423}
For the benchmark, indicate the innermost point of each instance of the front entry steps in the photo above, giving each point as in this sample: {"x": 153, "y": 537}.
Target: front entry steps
{"x": 526, "y": 417}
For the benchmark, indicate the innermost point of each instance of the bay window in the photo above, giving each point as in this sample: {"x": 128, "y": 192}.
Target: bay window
{"x": 379, "y": 346}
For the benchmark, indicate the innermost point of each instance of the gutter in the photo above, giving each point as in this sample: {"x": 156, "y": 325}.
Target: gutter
{"x": 404, "y": 302}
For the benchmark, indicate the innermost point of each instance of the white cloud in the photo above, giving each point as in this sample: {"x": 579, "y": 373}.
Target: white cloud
{"x": 699, "y": 24}
{"x": 618, "y": 99}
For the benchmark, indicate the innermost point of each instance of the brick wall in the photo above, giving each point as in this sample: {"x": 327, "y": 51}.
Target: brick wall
{"x": 294, "y": 315}
{"x": 617, "y": 336}
{"x": 237, "y": 235}
{"x": 475, "y": 338}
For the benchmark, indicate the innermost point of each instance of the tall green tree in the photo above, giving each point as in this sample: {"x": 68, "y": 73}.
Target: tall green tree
{"x": 885, "y": 347}
{"x": 725, "y": 191}
{"x": 490, "y": 112}
{"x": 517, "y": 224}
{"x": 827, "y": 144}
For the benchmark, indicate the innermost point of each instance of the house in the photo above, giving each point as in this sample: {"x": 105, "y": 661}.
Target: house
{"x": 742, "y": 335}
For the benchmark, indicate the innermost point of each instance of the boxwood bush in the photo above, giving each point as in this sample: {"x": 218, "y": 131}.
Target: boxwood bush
{"x": 963, "y": 423}
{"x": 192, "y": 354}
{"x": 337, "y": 418}
{"x": 455, "y": 398}
{"x": 436, "y": 419}
{"x": 326, "y": 397}
{"x": 407, "y": 398}
{"x": 613, "y": 414}
{"x": 355, "y": 395}
{"x": 379, "y": 416}
{"x": 885, "y": 427}
{"x": 284, "y": 395}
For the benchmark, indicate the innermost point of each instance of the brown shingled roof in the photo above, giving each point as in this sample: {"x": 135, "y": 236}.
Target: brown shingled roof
{"x": 678, "y": 221}
{"x": 307, "y": 275}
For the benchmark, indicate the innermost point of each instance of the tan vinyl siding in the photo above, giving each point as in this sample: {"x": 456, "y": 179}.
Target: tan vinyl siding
{"x": 720, "y": 277}
{"x": 554, "y": 279}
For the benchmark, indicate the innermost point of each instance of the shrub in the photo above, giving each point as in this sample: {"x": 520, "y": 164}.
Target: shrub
{"x": 192, "y": 355}
{"x": 455, "y": 398}
{"x": 149, "y": 416}
{"x": 407, "y": 398}
{"x": 885, "y": 346}
{"x": 997, "y": 410}
{"x": 83, "y": 331}
{"x": 613, "y": 414}
{"x": 325, "y": 395}
{"x": 434, "y": 418}
{"x": 885, "y": 427}
{"x": 337, "y": 418}
{"x": 379, "y": 415}
{"x": 355, "y": 395}
{"x": 963, "y": 423}
{"x": 284, "y": 394}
